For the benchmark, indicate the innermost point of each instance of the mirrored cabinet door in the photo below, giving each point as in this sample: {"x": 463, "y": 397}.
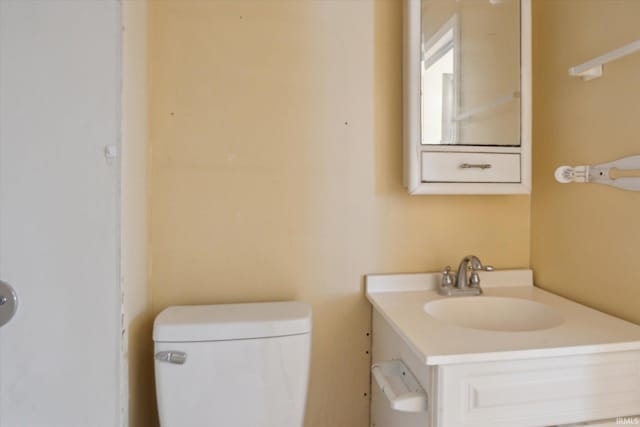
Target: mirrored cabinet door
{"x": 467, "y": 96}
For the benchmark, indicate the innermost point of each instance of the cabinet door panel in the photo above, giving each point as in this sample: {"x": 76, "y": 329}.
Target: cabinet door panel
{"x": 541, "y": 391}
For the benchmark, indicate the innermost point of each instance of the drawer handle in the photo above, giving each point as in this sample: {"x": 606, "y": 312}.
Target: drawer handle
{"x": 482, "y": 166}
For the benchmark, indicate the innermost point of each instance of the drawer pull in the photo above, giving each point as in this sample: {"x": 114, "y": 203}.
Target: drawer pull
{"x": 482, "y": 166}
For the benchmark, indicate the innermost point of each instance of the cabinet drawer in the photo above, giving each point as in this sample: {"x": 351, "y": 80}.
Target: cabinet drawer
{"x": 470, "y": 167}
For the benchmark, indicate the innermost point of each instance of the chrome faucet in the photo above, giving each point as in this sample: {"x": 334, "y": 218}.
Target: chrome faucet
{"x": 463, "y": 283}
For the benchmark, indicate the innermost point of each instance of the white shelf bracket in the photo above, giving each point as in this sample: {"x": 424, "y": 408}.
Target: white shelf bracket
{"x": 593, "y": 69}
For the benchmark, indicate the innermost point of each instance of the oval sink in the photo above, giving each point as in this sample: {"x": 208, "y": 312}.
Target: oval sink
{"x": 494, "y": 313}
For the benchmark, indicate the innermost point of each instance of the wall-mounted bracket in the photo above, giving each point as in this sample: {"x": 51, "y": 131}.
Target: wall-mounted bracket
{"x": 622, "y": 173}
{"x": 593, "y": 69}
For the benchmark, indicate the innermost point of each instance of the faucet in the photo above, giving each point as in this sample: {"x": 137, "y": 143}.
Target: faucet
{"x": 463, "y": 284}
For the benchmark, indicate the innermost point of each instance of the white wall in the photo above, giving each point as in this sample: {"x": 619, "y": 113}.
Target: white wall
{"x": 59, "y": 209}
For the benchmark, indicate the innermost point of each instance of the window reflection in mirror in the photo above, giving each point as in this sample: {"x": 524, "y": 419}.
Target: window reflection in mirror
{"x": 439, "y": 74}
{"x": 470, "y": 72}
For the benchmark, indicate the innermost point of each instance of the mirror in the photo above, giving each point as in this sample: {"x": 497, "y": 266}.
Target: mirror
{"x": 467, "y": 96}
{"x": 470, "y": 72}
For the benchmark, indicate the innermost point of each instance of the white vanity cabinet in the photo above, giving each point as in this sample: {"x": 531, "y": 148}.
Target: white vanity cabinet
{"x": 586, "y": 370}
{"x": 537, "y": 392}
{"x": 467, "y": 96}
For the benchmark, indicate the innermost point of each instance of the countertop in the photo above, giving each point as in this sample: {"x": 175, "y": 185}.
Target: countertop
{"x": 400, "y": 299}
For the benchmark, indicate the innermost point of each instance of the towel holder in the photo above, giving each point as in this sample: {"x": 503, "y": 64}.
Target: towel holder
{"x": 622, "y": 173}
{"x": 399, "y": 386}
{"x": 593, "y": 69}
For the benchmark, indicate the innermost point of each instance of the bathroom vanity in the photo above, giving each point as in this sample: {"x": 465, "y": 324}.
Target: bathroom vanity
{"x": 514, "y": 356}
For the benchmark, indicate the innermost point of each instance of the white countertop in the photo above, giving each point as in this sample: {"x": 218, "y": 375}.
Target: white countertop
{"x": 400, "y": 299}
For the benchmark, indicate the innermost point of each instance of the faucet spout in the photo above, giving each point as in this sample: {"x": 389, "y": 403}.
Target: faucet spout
{"x": 462, "y": 279}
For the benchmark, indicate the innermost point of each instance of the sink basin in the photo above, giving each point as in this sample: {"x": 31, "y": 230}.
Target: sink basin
{"x": 494, "y": 313}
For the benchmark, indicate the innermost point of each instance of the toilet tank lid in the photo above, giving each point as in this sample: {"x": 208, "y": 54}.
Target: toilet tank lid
{"x": 222, "y": 322}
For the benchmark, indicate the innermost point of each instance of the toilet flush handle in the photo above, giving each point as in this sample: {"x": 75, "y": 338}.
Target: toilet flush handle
{"x": 177, "y": 357}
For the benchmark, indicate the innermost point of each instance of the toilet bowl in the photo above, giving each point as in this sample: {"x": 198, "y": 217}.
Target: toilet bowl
{"x": 232, "y": 365}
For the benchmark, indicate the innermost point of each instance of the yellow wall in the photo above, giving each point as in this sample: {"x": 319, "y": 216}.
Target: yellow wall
{"x": 584, "y": 242}
{"x": 275, "y": 129}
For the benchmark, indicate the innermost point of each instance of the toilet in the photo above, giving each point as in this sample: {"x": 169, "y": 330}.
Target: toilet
{"x": 232, "y": 365}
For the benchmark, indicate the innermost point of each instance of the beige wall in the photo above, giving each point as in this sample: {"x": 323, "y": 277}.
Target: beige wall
{"x": 584, "y": 242}
{"x": 276, "y": 137}
{"x": 136, "y": 297}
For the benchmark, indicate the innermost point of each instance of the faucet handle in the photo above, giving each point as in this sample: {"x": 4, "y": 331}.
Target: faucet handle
{"x": 480, "y": 267}
{"x": 447, "y": 277}
{"x": 474, "y": 279}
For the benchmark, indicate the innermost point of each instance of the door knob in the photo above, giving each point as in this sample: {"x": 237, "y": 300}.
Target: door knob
{"x": 8, "y": 303}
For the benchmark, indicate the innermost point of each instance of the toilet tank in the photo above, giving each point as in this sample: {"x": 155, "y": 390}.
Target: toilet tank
{"x": 232, "y": 365}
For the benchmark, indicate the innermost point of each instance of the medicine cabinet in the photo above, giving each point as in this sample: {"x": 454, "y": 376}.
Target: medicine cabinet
{"x": 467, "y": 96}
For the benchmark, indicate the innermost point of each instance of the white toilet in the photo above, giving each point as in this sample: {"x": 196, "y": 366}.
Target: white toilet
{"x": 232, "y": 365}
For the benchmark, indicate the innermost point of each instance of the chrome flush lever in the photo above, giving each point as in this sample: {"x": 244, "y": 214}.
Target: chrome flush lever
{"x": 175, "y": 357}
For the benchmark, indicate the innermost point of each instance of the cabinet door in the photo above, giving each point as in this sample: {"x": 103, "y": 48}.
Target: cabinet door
{"x": 467, "y": 97}
{"x": 388, "y": 345}
{"x": 539, "y": 392}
